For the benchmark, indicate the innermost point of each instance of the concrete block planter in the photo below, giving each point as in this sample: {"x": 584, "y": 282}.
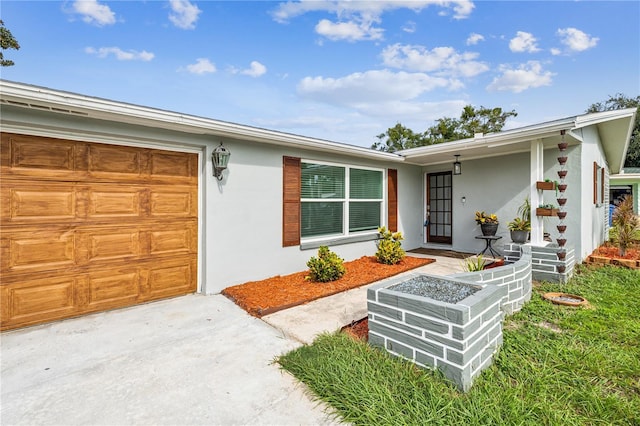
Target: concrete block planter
{"x": 457, "y": 333}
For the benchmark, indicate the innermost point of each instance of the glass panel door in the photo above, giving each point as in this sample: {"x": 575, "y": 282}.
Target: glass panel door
{"x": 439, "y": 207}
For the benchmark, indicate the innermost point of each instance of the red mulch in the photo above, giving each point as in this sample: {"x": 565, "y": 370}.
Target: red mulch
{"x": 614, "y": 253}
{"x": 264, "y": 297}
{"x": 358, "y": 329}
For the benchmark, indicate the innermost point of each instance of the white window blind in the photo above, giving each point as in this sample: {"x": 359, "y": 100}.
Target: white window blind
{"x": 333, "y": 196}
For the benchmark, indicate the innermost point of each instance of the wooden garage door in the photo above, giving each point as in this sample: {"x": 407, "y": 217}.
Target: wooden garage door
{"x": 87, "y": 227}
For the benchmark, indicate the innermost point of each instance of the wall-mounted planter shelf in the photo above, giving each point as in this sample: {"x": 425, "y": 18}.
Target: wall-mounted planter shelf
{"x": 546, "y": 186}
{"x": 546, "y": 212}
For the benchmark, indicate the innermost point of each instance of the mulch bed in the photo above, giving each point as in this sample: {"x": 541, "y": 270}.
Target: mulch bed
{"x": 265, "y": 297}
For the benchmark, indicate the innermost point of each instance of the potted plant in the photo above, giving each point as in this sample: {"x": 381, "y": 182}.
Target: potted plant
{"x": 547, "y": 210}
{"x": 519, "y": 229}
{"x": 488, "y": 223}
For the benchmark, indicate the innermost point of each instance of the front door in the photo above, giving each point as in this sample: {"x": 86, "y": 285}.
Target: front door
{"x": 438, "y": 208}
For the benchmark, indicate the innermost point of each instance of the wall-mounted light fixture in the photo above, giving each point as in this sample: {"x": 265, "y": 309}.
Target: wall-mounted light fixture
{"x": 457, "y": 167}
{"x": 220, "y": 158}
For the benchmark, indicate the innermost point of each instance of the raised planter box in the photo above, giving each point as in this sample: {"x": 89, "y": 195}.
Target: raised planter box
{"x": 545, "y": 186}
{"x": 459, "y": 336}
{"x": 546, "y": 212}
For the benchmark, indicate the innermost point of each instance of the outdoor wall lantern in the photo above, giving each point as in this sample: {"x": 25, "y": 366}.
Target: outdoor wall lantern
{"x": 220, "y": 158}
{"x": 457, "y": 167}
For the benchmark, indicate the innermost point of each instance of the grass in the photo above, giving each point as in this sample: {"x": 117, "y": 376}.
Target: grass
{"x": 558, "y": 366}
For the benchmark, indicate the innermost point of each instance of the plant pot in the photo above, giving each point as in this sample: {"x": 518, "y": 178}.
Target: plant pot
{"x": 561, "y": 215}
{"x": 561, "y": 255}
{"x": 562, "y": 173}
{"x": 546, "y": 212}
{"x": 561, "y": 228}
{"x": 519, "y": 236}
{"x": 561, "y": 201}
{"x": 545, "y": 185}
{"x": 489, "y": 229}
{"x": 561, "y": 241}
{"x": 562, "y": 160}
{"x": 562, "y": 187}
{"x": 562, "y": 146}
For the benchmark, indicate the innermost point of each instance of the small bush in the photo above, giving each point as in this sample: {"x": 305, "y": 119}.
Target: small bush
{"x": 326, "y": 267}
{"x": 473, "y": 264}
{"x": 625, "y": 223}
{"x": 390, "y": 249}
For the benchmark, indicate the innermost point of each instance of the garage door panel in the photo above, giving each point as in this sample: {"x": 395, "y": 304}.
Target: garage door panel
{"x": 175, "y": 202}
{"x": 50, "y": 154}
{"x": 105, "y": 202}
{"x": 37, "y": 250}
{"x": 164, "y": 163}
{"x": 175, "y": 241}
{"x": 27, "y": 202}
{"x": 115, "y": 160}
{"x": 170, "y": 279}
{"x": 113, "y": 288}
{"x": 40, "y": 300}
{"x": 110, "y": 244}
{"x": 87, "y": 227}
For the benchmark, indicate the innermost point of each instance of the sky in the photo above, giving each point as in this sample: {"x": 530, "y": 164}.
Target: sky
{"x": 344, "y": 71}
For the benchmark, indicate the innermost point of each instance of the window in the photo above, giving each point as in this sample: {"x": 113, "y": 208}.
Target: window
{"x": 339, "y": 200}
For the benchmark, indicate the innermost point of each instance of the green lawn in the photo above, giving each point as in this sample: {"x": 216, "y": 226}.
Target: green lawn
{"x": 558, "y": 366}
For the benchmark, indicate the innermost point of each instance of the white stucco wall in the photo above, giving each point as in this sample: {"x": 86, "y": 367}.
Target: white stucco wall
{"x": 593, "y": 218}
{"x": 244, "y": 215}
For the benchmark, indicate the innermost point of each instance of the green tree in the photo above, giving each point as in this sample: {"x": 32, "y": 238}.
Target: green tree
{"x": 397, "y": 138}
{"x": 620, "y": 101}
{"x": 472, "y": 120}
{"x": 7, "y": 41}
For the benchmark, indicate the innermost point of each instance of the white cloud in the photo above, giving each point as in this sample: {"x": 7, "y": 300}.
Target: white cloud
{"x": 184, "y": 14}
{"x": 359, "y": 89}
{"x": 409, "y": 27}
{"x": 256, "y": 69}
{"x": 523, "y": 42}
{"x": 474, "y": 39}
{"x": 576, "y": 40}
{"x": 526, "y": 76}
{"x": 555, "y": 51}
{"x": 121, "y": 55}
{"x": 356, "y": 19}
{"x": 351, "y": 30}
{"x": 202, "y": 66}
{"x": 94, "y": 13}
{"x": 443, "y": 60}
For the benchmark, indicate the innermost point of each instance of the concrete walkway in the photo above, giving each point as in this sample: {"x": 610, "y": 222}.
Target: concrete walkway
{"x": 184, "y": 361}
{"x": 303, "y": 323}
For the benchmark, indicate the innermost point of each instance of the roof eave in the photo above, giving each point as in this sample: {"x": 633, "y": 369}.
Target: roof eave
{"x": 40, "y": 98}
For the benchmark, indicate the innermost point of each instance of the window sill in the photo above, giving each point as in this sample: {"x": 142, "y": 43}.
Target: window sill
{"x": 339, "y": 241}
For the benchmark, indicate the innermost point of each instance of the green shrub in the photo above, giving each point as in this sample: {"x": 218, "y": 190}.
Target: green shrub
{"x": 390, "y": 249}
{"x": 474, "y": 263}
{"x": 326, "y": 267}
{"x": 625, "y": 223}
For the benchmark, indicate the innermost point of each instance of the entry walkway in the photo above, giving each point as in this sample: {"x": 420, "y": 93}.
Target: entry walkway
{"x": 305, "y": 322}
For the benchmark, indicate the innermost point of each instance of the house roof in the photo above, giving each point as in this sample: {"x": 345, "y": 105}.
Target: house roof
{"x": 614, "y": 128}
{"x": 56, "y": 101}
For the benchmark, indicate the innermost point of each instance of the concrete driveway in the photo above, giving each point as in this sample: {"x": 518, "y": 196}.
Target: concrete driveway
{"x": 184, "y": 361}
